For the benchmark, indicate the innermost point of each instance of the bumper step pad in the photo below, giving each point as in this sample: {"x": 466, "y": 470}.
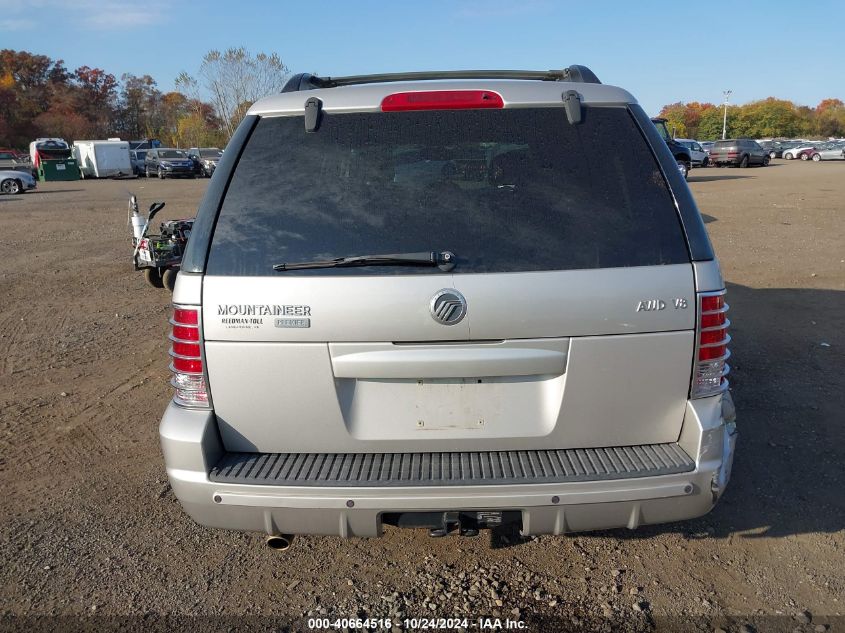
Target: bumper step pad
{"x": 451, "y": 469}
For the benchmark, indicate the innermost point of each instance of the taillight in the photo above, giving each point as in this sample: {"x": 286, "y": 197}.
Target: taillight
{"x": 442, "y": 100}
{"x": 712, "y": 338}
{"x": 186, "y": 358}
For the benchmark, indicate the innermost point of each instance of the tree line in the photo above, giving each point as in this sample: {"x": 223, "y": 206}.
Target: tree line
{"x": 767, "y": 118}
{"x": 40, "y": 97}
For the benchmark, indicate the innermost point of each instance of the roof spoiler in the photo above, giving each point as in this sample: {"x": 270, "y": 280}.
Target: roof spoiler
{"x": 575, "y": 73}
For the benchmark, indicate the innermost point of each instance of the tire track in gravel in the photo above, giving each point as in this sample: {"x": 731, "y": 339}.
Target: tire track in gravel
{"x": 13, "y": 328}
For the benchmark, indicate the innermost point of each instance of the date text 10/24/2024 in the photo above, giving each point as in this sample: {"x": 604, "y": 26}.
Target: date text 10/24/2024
{"x": 417, "y": 624}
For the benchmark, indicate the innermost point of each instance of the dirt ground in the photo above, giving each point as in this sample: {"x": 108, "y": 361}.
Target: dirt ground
{"x": 90, "y": 531}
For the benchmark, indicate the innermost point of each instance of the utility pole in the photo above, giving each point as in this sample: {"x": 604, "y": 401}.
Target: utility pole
{"x": 727, "y": 94}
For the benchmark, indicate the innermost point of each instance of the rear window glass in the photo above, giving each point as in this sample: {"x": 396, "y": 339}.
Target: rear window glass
{"x": 723, "y": 144}
{"x": 505, "y": 190}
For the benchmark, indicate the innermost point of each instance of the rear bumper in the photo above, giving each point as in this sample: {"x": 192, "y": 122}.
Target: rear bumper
{"x": 191, "y": 447}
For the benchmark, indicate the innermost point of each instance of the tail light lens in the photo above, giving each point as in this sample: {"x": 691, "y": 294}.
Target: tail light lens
{"x": 711, "y": 349}
{"x": 186, "y": 358}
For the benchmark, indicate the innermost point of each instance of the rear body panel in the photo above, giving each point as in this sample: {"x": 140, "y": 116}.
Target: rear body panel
{"x": 527, "y": 368}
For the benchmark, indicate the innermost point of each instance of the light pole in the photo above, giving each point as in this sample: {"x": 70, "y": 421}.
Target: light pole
{"x": 727, "y": 94}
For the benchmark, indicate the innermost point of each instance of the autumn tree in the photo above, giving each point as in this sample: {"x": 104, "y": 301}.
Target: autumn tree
{"x": 766, "y": 118}
{"x": 830, "y": 118}
{"x": 235, "y": 79}
{"x": 710, "y": 124}
{"x": 685, "y": 118}
{"x": 27, "y": 84}
{"x": 39, "y": 97}
{"x": 674, "y": 115}
{"x": 97, "y": 92}
{"x": 138, "y": 100}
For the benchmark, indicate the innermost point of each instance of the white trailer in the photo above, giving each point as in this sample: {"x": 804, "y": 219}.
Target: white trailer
{"x": 103, "y": 159}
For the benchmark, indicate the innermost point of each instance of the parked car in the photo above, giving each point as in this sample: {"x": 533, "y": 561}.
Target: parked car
{"x": 166, "y": 162}
{"x": 398, "y": 319}
{"x": 683, "y": 159}
{"x": 768, "y": 146}
{"x": 10, "y": 159}
{"x": 137, "y": 157}
{"x": 205, "y": 159}
{"x": 779, "y": 147}
{"x": 802, "y": 151}
{"x": 16, "y": 181}
{"x": 706, "y": 146}
{"x": 832, "y": 151}
{"x": 7, "y": 151}
{"x": 740, "y": 152}
{"x": 698, "y": 156}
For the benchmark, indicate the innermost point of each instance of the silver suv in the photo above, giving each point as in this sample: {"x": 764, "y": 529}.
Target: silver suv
{"x": 445, "y": 305}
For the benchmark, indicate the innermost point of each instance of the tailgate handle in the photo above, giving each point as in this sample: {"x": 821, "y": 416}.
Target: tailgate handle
{"x": 449, "y": 363}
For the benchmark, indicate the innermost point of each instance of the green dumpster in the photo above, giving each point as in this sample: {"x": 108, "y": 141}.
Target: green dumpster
{"x": 58, "y": 169}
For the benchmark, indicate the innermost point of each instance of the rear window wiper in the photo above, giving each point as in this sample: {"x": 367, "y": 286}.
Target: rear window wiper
{"x": 445, "y": 260}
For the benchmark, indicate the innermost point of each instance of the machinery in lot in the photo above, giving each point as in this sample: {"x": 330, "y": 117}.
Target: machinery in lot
{"x": 399, "y": 319}
{"x": 159, "y": 255}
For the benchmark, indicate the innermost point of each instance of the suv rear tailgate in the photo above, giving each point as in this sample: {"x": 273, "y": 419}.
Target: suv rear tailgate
{"x": 531, "y": 372}
{"x": 578, "y": 324}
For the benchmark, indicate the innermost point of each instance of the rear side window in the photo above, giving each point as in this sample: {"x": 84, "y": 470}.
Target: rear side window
{"x": 505, "y": 190}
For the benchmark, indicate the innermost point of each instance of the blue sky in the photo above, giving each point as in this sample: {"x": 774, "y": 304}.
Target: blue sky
{"x": 661, "y": 52}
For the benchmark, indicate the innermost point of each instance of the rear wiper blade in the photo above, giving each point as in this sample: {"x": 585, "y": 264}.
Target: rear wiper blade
{"x": 445, "y": 260}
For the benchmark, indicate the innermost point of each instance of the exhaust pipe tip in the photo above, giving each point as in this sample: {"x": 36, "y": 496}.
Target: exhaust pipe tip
{"x": 279, "y": 542}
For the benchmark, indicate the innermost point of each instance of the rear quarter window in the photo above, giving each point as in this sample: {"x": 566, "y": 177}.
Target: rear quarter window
{"x": 505, "y": 190}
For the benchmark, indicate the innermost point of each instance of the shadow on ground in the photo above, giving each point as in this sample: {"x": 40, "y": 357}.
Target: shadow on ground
{"x": 712, "y": 176}
{"x": 52, "y": 191}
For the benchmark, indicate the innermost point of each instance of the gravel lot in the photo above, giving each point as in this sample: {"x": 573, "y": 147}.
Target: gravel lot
{"x": 90, "y": 530}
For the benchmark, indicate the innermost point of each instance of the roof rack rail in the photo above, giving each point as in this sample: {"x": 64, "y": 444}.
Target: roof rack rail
{"x": 574, "y": 73}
